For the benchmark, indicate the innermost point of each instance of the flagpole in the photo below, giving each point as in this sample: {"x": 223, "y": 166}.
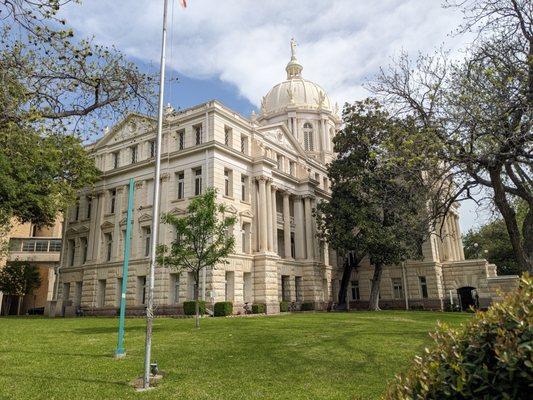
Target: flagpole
{"x": 155, "y": 209}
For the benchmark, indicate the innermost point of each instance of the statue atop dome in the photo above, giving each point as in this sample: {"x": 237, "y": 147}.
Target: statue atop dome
{"x": 294, "y": 68}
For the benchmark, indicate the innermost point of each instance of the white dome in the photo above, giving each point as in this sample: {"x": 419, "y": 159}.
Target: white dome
{"x": 295, "y": 92}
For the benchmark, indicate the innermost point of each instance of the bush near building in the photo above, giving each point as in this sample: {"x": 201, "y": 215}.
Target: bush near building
{"x": 258, "y": 308}
{"x": 223, "y": 308}
{"x": 488, "y": 358}
{"x": 284, "y": 306}
{"x": 308, "y": 306}
{"x": 189, "y": 308}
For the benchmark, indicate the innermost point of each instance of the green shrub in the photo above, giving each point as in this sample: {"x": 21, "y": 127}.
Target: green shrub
{"x": 284, "y": 306}
{"x": 258, "y": 308}
{"x": 307, "y": 306}
{"x": 488, "y": 358}
{"x": 223, "y": 308}
{"x": 189, "y": 307}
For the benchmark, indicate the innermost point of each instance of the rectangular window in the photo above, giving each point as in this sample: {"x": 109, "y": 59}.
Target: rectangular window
{"x": 151, "y": 144}
{"x": 198, "y": 181}
{"x": 325, "y": 183}
{"x": 141, "y": 290}
{"x": 84, "y": 248}
{"x": 355, "y": 290}
{"x": 279, "y": 160}
{"x": 71, "y": 252}
{"x": 298, "y": 288}
{"x": 397, "y": 288}
{"x": 198, "y": 133}
{"x": 174, "y": 288}
{"x": 79, "y": 291}
{"x": 229, "y": 285}
{"x": 244, "y": 188}
{"x": 101, "y": 292}
{"x": 89, "y": 207}
{"x": 292, "y": 166}
{"x": 228, "y": 136}
{"x": 66, "y": 291}
{"x": 181, "y": 184}
{"x": 228, "y": 175}
{"x": 423, "y": 286}
{"x": 147, "y": 238}
{"x": 244, "y": 237}
{"x": 244, "y": 144}
{"x": 133, "y": 154}
{"x": 109, "y": 244}
{"x": 77, "y": 211}
{"x": 181, "y": 139}
{"x": 116, "y": 159}
{"x": 285, "y": 288}
{"x": 112, "y": 200}
{"x": 119, "y": 291}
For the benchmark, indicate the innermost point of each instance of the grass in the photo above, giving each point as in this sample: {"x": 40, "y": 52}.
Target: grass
{"x": 296, "y": 356}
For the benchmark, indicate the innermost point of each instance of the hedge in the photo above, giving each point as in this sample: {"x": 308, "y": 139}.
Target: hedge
{"x": 223, "y": 308}
{"x": 307, "y": 306}
{"x": 284, "y": 306}
{"x": 258, "y": 308}
{"x": 189, "y": 307}
{"x": 488, "y": 358}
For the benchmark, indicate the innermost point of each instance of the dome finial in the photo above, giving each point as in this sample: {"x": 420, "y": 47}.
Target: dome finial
{"x": 294, "y": 69}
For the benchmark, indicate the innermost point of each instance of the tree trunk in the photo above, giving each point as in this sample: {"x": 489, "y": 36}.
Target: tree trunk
{"x": 19, "y": 304}
{"x": 527, "y": 234}
{"x": 509, "y": 216}
{"x": 349, "y": 265}
{"x": 374, "y": 292}
{"x": 196, "y": 306}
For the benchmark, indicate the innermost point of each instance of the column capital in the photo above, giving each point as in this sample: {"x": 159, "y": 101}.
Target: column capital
{"x": 165, "y": 176}
{"x": 275, "y": 187}
{"x": 262, "y": 178}
{"x": 139, "y": 184}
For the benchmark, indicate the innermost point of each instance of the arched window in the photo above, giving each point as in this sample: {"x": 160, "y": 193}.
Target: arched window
{"x": 308, "y": 137}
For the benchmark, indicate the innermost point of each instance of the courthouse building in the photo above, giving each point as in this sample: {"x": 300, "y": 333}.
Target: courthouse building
{"x": 270, "y": 171}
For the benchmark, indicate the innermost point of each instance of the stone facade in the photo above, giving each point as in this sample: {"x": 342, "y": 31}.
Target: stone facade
{"x": 270, "y": 171}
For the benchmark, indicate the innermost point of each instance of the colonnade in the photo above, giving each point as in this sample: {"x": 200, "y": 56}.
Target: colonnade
{"x": 266, "y": 217}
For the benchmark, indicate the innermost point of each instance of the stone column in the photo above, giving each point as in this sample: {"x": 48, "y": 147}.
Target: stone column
{"x": 274, "y": 221}
{"x": 326, "y": 252}
{"x": 118, "y": 216}
{"x": 163, "y": 205}
{"x": 255, "y": 219}
{"x": 299, "y": 231}
{"x": 263, "y": 241}
{"x": 287, "y": 225}
{"x": 459, "y": 241}
{"x": 269, "y": 215}
{"x": 97, "y": 229}
{"x": 308, "y": 228}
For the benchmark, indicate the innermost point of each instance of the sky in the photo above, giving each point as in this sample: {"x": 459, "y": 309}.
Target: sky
{"x": 236, "y": 50}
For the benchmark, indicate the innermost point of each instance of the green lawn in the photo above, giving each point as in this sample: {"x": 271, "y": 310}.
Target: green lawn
{"x": 298, "y": 356}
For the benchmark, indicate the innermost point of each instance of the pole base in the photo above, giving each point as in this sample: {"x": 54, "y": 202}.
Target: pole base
{"x": 120, "y": 356}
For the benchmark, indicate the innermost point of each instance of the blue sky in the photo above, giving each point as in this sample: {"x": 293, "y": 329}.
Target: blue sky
{"x": 236, "y": 50}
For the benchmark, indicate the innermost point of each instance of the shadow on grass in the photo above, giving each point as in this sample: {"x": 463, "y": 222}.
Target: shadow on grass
{"x": 50, "y": 353}
{"x": 61, "y": 378}
{"x": 105, "y": 329}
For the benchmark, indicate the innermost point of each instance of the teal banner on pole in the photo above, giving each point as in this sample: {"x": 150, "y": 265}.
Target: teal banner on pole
{"x": 121, "y": 352}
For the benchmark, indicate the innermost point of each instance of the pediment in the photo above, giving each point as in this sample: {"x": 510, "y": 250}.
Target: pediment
{"x": 107, "y": 225}
{"x": 83, "y": 229}
{"x": 231, "y": 209}
{"x": 246, "y": 214}
{"x": 130, "y": 126}
{"x": 71, "y": 231}
{"x": 145, "y": 217}
{"x": 279, "y": 135}
{"x": 178, "y": 211}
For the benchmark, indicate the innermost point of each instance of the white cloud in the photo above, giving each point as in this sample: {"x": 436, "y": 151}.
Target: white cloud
{"x": 246, "y": 43}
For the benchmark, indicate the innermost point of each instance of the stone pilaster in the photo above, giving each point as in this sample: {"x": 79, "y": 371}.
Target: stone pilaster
{"x": 299, "y": 231}
{"x": 263, "y": 241}
{"x": 309, "y": 229}
{"x": 118, "y": 216}
{"x": 270, "y": 238}
{"x": 266, "y": 282}
{"x": 287, "y": 225}
{"x": 274, "y": 220}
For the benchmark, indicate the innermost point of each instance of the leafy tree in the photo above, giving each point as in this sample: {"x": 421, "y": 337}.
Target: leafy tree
{"x": 202, "y": 239}
{"x": 19, "y": 278}
{"x": 54, "y": 90}
{"x": 378, "y": 207}
{"x": 479, "y": 111}
{"x": 491, "y": 241}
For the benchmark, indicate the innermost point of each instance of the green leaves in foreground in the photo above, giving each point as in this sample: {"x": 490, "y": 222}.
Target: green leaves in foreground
{"x": 489, "y": 358}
